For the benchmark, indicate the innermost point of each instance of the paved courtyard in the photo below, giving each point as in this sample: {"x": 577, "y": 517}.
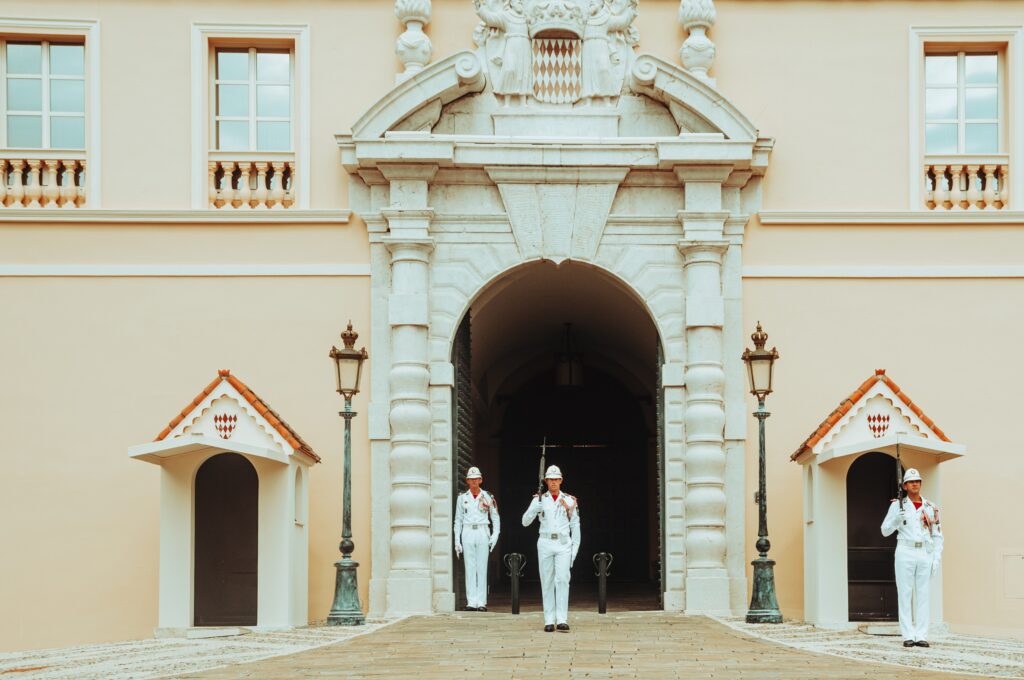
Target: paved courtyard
{"x": 619, "y": 645}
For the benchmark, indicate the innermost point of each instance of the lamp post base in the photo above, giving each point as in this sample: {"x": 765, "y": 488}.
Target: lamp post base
{"x": 764, "y": 607}
{"x": 346, "y": 610}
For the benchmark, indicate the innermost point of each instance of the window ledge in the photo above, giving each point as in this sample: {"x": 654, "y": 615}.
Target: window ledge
{"x": 132, "y": 217}
{"x": 789, "y": 218}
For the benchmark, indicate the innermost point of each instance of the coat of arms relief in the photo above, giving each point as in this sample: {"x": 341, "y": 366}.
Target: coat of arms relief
{"x": 557, "y": 51}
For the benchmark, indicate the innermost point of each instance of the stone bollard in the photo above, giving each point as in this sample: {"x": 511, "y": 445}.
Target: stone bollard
{"x": 515, "y": 563}
{"x": 602, "y": 565}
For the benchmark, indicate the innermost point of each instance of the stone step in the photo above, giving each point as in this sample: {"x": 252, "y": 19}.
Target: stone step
{"x": 891, "y": 629}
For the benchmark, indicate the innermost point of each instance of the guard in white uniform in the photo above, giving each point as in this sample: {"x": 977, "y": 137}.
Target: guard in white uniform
{"x": 556, "y": 548}
{"x": 475, "y": 538}
{"x": 918, "y": 552}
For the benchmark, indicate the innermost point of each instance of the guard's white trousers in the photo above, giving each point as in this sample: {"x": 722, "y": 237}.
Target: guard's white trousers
{"x": 913, "y": 580}
{"x": 554, "y": 559}
{"x": 475, "y": 547}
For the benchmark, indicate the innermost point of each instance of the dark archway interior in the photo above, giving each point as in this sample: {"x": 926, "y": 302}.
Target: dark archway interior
{"x": 226, "y": 541}
{"x": 870, "y": 566}
{"x": 589, "y": 389}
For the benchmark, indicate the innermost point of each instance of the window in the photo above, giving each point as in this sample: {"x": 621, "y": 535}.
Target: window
{"x": 43, "y": 94}
{"x": 962, "y": 103}
{"x": 252, "y": 99}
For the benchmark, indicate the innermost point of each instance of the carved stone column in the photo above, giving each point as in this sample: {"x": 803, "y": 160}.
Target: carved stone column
{"x": 413, "y": 47}
{"x": 409, "y": 587}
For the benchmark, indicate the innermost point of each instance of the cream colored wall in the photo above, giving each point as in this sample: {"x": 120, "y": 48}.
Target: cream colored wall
{"x": 102, "y": 363}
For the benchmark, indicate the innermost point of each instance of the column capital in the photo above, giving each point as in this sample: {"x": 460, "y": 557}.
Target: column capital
{"x": 407, "y": 171}
{"x": 711, "y": 172}
{"x": 403, "y": 248}
{"x": 695, "y": 251}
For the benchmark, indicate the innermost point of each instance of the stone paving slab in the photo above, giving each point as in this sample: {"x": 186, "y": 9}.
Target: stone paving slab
{"x": 627, "y": 645}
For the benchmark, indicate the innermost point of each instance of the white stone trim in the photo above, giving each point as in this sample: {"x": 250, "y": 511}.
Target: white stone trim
{"x": 884, "y": 272}
{"x": 88, "y": 216}
{"x": 90, "y": 29}
{"x": 889, "y": 217}
{"x": 199, "y": 85}
{"x": 181, "y": 270}
{"x": 918, "y": 36}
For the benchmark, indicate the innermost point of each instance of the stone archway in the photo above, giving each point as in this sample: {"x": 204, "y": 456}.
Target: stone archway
{"x": 457, "y": 191}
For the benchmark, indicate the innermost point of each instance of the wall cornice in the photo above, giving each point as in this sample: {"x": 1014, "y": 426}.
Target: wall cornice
{"x": 926, "y": 218}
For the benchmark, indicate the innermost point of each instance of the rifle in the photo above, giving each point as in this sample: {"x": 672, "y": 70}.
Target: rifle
{"x": 540, "y": 476}
{"x": 899, "y": 476}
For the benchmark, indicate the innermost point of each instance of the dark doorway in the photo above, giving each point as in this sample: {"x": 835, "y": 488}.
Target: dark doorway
{"x": 226, "y": 526}
{"x": 871, "y": 571}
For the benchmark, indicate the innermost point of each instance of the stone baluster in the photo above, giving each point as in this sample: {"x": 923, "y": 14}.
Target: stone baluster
{"x": 3, "y": 182}
{"x": 80, "y": 200}
{"x": 929, "y": 188}
{"x": 259, "y": 196}
{"x": 68, "y": 187}
{"x": 244, "y": 193}
{"x": 956, "y": 193}
{"x": 413, "y": 47}
{"x": 1004, "y": 186}
{"x": 410, "y": 585}
{"x": 941, "y": 188}
{"x": 698, "y": 51}
{"x": 215, "y": 197}
{"x": 17, "y": 192}
{"x": 34, "y": 189}
{"x": 50, "y": 190}
{"x": 989, "y": 192}
{"x": 973, "y": 192}
{"x": 289, "y": 193}
{"x": 276, "y": 194}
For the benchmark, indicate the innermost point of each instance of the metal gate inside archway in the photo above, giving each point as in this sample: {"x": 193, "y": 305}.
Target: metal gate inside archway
{"x": 564, "y": 355}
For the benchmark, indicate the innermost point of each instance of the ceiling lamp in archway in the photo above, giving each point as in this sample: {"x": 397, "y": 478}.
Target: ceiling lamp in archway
{"x": 569, "y": 369}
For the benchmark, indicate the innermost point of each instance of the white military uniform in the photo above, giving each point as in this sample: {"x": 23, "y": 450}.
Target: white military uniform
{"x": 918, "y": 553}
{"x": 557, "y": 546}
{"x": 475, "y": 539}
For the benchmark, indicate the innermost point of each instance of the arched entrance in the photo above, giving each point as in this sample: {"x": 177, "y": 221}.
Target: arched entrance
{"x": 226, "y": 526}
{"x": 565, "y": 354}
{"x": 872, "y": 577}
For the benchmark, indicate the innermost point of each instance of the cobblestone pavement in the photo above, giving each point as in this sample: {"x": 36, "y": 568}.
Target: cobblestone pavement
{"x": 627, "y": 645}
{"x": 166, "y": 657}
{"x": 949, "y": 652}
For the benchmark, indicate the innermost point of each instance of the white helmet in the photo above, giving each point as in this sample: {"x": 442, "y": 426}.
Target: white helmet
{"x": 911, "y": 475}
{"x": 553, "y": 472}
{"x": 474, "y": 473}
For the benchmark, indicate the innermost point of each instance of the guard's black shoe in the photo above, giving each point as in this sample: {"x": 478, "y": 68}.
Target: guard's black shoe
{"x": 481, "y": 609}
{"x": 564, "y": 627}
{"x": 908, "y": 643}
{"x": 549, "y": 628}
{"x": 472, "y": 609}
{"x": 923, "y": 643}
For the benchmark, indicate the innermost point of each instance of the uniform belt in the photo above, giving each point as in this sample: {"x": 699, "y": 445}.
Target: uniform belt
{"x": 910, "y": 544}
{"x": 474, "y": 526}
{"x": 553, "y": 537}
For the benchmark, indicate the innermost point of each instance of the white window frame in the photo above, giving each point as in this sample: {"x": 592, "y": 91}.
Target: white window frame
{"x": 1011, "y": 77}
{"x": 45, "y": 78}
{"x": 253, "y": 119}
{"x": 962, "y": 86}
{"x": 204, "y": 37}
{"x": 87, "y": 31}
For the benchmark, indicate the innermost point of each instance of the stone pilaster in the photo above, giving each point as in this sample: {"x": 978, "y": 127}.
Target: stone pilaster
{"x": 408, "y": 241}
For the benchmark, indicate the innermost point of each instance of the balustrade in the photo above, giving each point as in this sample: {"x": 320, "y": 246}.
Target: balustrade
{"x": 966, "y": 182}
{"x": 248, "y": 181}
{"x": 41, "y": 181}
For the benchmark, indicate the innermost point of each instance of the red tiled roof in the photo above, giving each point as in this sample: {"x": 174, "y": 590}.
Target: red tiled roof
{"x": 290, "y": 435}
{"x": 849, "y": 402}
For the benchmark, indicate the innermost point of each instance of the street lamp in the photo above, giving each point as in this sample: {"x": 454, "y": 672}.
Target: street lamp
{"x": 764, "y": 607}
{"x": 348, "y": 364}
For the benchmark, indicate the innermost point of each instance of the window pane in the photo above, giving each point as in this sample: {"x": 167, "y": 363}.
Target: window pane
{"x": 67, "y": 96}
{"x": 233, "y": 100}
{"x": 67, "y": 60}
{"x": 940, "y": 138}
{"x": 982, "y": 103}
{"x": 272, "y": 67}
{"x": 273, "y": 136}
{"x": 940, "y": 104}
{"x": 272, "y": 100}
{"x": 982, "y": 138}
{"x": 981, "y": 69}
{"x": 25, "y": 59}
{"x": 232, "y": 65}
{"x": 940, "y": 70}
{"x": 24, "y": 94}
{"x": 233, "y": 135}
{"x": 25, "y": 132}
{"x": 67, "y": 132}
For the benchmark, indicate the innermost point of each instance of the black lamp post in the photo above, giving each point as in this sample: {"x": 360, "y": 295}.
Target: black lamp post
{"x": 764, "y": 607}
{"x": 348, "y": 363}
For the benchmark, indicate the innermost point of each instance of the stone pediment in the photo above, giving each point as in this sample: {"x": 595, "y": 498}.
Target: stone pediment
{"x": 228, "y": 416}
{"x": 877, "y": 416}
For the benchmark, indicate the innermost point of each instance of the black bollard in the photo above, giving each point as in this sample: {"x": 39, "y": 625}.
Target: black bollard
{"x": 515, "y": 563}
{"x": 602, "y": 566}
